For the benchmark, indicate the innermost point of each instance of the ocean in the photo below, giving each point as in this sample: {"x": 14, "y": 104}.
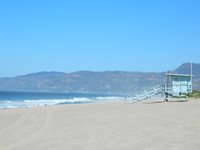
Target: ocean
{"x": 32, "y": 99}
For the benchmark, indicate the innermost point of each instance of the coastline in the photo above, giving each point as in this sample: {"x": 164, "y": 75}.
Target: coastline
{"x": 107, "y": 125}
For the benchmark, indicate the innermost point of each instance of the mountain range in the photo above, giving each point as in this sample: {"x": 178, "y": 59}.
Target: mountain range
{"x": 107, "y": 82}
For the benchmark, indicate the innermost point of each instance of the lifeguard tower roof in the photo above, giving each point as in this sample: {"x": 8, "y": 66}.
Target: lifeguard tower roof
{"x": 180, "y": 75}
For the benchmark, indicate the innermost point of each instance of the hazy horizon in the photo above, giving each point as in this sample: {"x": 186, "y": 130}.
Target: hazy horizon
{"x": 52, "y": 71}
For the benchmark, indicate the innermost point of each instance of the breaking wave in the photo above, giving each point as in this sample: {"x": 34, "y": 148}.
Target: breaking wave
{"x": 50, "y": 102}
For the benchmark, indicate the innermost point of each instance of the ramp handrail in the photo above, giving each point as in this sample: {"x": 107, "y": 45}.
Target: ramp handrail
{"x": 145, "y": 94}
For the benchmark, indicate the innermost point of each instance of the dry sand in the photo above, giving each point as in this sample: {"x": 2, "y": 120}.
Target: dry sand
{"x": 103, "y": 126}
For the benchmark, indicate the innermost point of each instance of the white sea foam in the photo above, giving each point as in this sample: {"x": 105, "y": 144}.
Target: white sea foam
{"x": 50, "y": 102}
{"x": 110, "y": 98}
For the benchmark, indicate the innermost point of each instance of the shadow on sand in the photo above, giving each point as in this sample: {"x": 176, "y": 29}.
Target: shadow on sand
{"x": 169, "y": 101}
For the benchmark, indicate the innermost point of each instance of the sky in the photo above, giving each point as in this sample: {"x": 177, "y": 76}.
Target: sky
{"x": 97, "y": 35}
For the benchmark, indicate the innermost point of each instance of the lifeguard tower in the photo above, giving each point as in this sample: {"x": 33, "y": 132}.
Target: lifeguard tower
{"x": 178, "y": 85}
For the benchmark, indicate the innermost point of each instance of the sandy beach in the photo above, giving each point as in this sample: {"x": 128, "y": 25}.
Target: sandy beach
{"x": 103, "y": 126}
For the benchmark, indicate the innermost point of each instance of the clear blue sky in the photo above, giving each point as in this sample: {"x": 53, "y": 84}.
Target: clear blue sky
{"x": 97, "y": 35}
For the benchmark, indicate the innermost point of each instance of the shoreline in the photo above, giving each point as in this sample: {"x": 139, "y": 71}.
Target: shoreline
{"x": 107, "y": 125}
{"x": 61, "y": 104}
{"x": 76, "y": 101}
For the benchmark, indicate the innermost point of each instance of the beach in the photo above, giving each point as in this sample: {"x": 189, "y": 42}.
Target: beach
{"x": 147, "y": 125}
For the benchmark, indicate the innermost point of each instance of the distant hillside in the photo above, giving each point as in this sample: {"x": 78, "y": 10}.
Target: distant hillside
{"x": 110, "y": 82}
{"x": 185, "y": 69}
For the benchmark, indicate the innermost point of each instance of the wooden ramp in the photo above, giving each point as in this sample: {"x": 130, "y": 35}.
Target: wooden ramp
{"x": 146, "y": 94}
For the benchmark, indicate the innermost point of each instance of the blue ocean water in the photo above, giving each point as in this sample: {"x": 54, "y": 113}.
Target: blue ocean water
{"x": 31, "y": 99}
